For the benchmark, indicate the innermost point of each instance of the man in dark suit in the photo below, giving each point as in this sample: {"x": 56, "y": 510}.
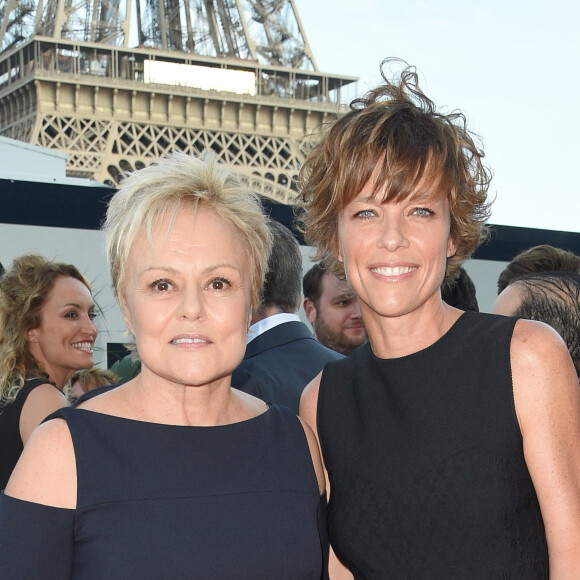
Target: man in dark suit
{"x": 282, "y": 356}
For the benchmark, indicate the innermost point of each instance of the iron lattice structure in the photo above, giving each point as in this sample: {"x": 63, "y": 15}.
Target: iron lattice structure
{"x": 118, "y": 85}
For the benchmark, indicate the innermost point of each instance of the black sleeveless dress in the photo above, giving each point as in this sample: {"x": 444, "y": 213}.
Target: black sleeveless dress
{"x": 161, "y": 501}
{"x": 425, "y": 460}
{"x": 10, "y": 441}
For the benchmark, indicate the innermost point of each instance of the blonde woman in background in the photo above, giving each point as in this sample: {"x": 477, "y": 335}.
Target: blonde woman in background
{"x": 87, "y": 380}
{"x": 48, "y": 332}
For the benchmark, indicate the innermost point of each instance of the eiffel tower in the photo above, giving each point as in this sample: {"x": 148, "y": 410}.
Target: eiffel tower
{"x": 117, "y": 84}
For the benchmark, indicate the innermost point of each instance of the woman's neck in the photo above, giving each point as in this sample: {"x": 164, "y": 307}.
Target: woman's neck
{"x": 404, "y": 335}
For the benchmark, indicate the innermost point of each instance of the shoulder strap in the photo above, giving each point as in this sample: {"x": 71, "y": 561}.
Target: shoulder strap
{"x": 63, "y": 413}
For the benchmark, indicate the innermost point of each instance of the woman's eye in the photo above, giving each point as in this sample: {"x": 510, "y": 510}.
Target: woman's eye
{"x": 71, "y": 314}
{"x": 219, "y": 284}
{"x": 92, "y": 315}
{"x": 364, "y": 214}
{"x": 161, "y": 286}
{"x": 423, "y": 212}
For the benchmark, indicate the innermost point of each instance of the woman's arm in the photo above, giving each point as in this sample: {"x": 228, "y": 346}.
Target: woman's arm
{"x": 36, "y": 541}
{"x": 547, "y": 401}
{"x": 36, "y": 515}
{"x": 46, "y": 470}
{"x": 308, "y": 406}
{"x": 319, "y": 470}
{"x": 40, "y": 403}
{"x": 315, "y": 454}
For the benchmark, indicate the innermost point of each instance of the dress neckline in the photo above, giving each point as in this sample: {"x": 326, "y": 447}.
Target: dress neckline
{"x": 440, "y": 342}
{"x": 108, "y": 417}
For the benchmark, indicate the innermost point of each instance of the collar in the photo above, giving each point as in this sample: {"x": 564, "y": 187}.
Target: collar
{"x": 270, "y": 322}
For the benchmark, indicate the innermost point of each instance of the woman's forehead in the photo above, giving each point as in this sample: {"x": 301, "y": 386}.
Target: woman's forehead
{"x": 386, "y": 193}
{"x": 425, "y": 181}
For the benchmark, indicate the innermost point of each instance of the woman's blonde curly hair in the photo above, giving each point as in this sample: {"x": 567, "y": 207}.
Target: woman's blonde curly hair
{"x": 24, "y": 289}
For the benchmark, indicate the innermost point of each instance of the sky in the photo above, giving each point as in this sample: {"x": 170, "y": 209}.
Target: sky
{"x": 512, "y": 66}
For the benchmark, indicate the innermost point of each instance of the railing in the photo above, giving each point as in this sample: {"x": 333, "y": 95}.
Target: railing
{"x": 82, "y": 60}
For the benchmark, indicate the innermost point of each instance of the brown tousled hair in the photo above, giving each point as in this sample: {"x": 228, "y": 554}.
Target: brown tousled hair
{"x": 396, "y": 128}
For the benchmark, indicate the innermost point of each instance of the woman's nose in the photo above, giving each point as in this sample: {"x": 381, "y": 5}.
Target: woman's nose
{"x": 90, "y": 326}
{"x": 393, "y": 235}
{"x": 191, "y": 304}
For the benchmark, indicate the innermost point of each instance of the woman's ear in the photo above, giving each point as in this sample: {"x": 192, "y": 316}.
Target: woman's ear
{"x": 451, "y": 248}
{"x": 129, "y": 324}
{"x": 336, "y": 249}
{"x": 127, "y": 319}
{"x": 31, "y": 335}
{"x": 126, "y": 313}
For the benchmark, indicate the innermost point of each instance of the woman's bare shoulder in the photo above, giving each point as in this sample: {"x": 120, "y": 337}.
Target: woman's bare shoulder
{"x": 544, "y": 378}
{"x": 538, "y": 347}
{"x": 46, "y": 470}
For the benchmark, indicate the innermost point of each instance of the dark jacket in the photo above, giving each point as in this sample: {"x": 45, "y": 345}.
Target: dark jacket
{"x": 279, "y": 363}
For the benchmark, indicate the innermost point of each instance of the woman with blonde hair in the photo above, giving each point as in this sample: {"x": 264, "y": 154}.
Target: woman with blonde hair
{"x": 86, "y": 380}
{"x": 174, "y": 474}
{"x": 48, "y": 331}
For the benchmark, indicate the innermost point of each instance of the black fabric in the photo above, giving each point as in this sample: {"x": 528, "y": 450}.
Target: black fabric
{"x": 280, "y": 362}
{"x": 159, "y": 501}
{"x": 94, "y": 393}
{"x": 425, "y": 460}
{"x": 10, "y": 441}
{"x": 35, "y": 541}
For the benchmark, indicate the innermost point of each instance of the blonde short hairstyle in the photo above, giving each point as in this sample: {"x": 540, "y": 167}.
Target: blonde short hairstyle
{"x": 177, "y": 181}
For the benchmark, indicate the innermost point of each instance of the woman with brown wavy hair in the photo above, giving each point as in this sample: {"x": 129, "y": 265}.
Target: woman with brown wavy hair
{"x": 48, "y": 332}
{"x": 451, "y": 439}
